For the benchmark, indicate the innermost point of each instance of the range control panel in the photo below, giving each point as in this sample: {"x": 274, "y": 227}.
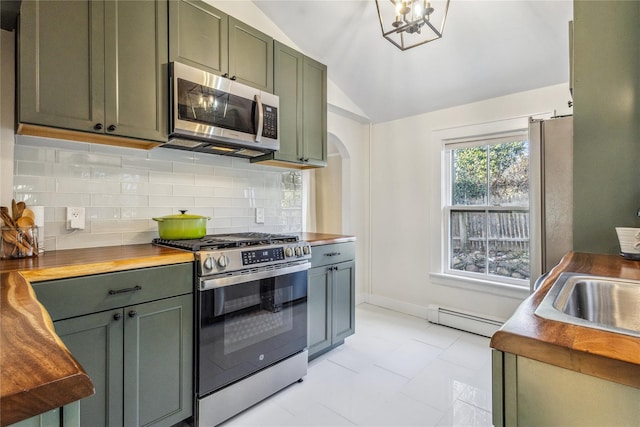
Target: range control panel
{"x": 229, "y": 260}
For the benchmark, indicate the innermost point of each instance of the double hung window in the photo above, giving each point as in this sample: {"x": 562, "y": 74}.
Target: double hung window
{"x": 486, "y": 210}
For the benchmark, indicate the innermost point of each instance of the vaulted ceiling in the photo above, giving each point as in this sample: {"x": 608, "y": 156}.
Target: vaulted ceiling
{"x": 490, "y": 48}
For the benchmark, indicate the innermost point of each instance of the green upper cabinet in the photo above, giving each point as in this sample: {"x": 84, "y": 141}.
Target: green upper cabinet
{"x": 208, "y": 39}
{"x": 95, "y": 66}
{"x": 301, "y": 84}
{"x": 199, "y": 36}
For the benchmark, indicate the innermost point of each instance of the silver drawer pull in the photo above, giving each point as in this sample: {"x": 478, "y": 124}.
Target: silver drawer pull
{"x": 122, "y": 291}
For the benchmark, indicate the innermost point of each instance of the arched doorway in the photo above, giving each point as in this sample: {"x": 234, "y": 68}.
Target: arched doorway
{"x": 329, "y": 190}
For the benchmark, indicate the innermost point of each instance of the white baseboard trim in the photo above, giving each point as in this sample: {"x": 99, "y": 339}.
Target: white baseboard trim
{"x": 400, "y": 306}
{"x": 476, "y": 323}
{"x": 460, "y": 319}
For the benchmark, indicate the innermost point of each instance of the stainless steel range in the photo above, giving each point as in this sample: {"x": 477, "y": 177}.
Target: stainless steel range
{"x": 250, "y": 321}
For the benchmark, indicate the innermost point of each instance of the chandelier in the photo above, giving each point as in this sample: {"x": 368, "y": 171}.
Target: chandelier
{"x": 411, "y": 23}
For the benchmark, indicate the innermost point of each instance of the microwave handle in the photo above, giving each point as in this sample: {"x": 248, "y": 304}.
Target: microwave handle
{"x": 260, "y": 118}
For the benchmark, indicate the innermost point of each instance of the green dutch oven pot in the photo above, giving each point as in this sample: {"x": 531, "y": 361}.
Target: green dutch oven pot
{"x": 182, "y": 226}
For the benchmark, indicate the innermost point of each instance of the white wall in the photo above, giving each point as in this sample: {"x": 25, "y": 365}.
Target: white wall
{"x": 406, "y": 204}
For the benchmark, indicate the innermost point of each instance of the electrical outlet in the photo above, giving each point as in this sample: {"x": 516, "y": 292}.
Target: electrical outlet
{"x": 75, "y": 218}
{"x": 259, "y": 215}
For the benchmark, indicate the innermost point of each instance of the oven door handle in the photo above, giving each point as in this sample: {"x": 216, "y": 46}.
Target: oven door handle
{"x": 218, "y": 282}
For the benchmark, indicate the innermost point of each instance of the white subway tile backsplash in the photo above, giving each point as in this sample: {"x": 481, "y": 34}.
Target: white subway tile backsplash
{"x": 29, "y": 168}
{"x": 107, "y": 213}
{"x": 191, "y": 190}
{"x": 122, "y": 189}
{"x": 34, "y": 184}
{"x": 214, "y": 181}
{"x": 67, "y": 185}
{"x": 147, "y": 163}
{"x": 34, "y": 154}
{"x": 70, "y": 171}
{"x": 101, "y": 200}
{"x": 191, "y": 168}
{"x": 160, "y": 189}
{"x": 182, "y": 202}
{"x": 84, "y": 159}
{"x": 156, "y": 177}
{"x": 140, "y": 188}
{"x": 122, "y": 226}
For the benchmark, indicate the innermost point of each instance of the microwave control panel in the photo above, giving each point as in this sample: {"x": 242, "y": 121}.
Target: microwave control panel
{"x": 270, "y": 123}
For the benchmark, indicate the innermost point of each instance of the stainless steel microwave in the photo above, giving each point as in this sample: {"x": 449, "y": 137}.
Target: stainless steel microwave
{"x": 217, "y": 115}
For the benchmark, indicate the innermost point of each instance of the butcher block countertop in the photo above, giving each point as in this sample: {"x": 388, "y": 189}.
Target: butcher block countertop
{"x": 607, "y": 355}
{"x": 316, "y": 239}
{"x": 37, "y": 371}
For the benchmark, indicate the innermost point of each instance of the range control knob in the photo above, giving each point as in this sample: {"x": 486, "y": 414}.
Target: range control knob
{"x": 208, "y": 263}
{"x": 306, "y": 250}
{"x": 288, "y": 252}
{"x": 223, "y": 261}
{"x": 298, "y": 251}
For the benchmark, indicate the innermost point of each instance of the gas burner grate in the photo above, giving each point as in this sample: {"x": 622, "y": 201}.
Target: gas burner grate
{"x": 231, "y": 240}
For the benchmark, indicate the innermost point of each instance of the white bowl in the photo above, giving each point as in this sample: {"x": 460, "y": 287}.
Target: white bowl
{"x": 629, "y": 239}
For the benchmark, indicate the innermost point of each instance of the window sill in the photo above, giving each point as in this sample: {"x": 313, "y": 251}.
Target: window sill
{"x": 478, "y": 285}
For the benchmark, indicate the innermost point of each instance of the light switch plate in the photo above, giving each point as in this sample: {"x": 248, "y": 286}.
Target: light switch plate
{"x": 259, "y": 215}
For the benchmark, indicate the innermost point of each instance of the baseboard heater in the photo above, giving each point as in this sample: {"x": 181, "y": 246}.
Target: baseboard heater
{"x": 465, "y": 321}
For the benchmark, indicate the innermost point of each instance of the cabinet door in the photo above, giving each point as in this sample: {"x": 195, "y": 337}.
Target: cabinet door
{"x": 343, "y": 300}
{"x": 199, "y": 36}
{"x": 250, "y": 56}
{"x": 288, "y": 86}
{"x": 95, "y": 340}
{"x": 136, "y": 71}
{"x": 314, "y": 112}
{"x": 61, "y": 64}
{"x": 319, "y": 309}
{"x": 158, "y": 362}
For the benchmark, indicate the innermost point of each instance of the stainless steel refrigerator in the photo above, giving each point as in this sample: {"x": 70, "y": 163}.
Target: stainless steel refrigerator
{"x": 551, "y": 204}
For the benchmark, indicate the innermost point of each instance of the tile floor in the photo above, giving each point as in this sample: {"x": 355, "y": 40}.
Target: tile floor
{"x": 397, "y": 370}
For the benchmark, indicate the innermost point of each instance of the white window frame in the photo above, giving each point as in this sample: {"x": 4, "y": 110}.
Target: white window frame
{"x": 489, "y": 130}
{"x": 448, "y": 146}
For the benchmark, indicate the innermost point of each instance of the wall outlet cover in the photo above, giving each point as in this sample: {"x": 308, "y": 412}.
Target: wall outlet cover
{"x": 75, "y": 218}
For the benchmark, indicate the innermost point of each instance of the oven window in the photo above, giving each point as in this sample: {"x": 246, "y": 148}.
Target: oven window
{"x": 203, "y": 104}
{"x": 248, "y": 326}
{"x": 262, "y": 320}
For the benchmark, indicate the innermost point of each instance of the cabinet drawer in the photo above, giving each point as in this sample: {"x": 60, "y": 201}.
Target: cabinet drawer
{"x": 332, "y": 254}
{"x": 76, "y": 296}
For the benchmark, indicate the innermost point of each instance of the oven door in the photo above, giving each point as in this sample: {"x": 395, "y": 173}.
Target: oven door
{"x": 245, "y": 327}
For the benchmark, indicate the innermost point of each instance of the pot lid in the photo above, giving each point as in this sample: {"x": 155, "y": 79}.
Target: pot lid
{"x": 181, "y": 215}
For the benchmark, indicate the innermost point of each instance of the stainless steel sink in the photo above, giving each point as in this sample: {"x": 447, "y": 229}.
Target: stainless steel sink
{"x": 605, "y": 303}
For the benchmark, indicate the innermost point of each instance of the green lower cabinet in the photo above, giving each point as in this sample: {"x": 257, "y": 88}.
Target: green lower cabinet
{"x": 96, "y": 340}
{"x": 158, "y": 353}
{"x": 331, "y": 306}
{"x": 526, "y": 392}
{"x": 139, "y": 359}
{"x": 319, "y": 310}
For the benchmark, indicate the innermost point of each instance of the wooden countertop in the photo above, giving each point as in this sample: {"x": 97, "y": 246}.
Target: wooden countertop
{"x": 607, "y": 355}
{"x": 37, "y": 371}
{"x": 316, "y": 239}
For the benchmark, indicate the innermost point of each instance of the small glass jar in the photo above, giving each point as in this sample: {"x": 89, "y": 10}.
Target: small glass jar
{"x": 18, "y": 242}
